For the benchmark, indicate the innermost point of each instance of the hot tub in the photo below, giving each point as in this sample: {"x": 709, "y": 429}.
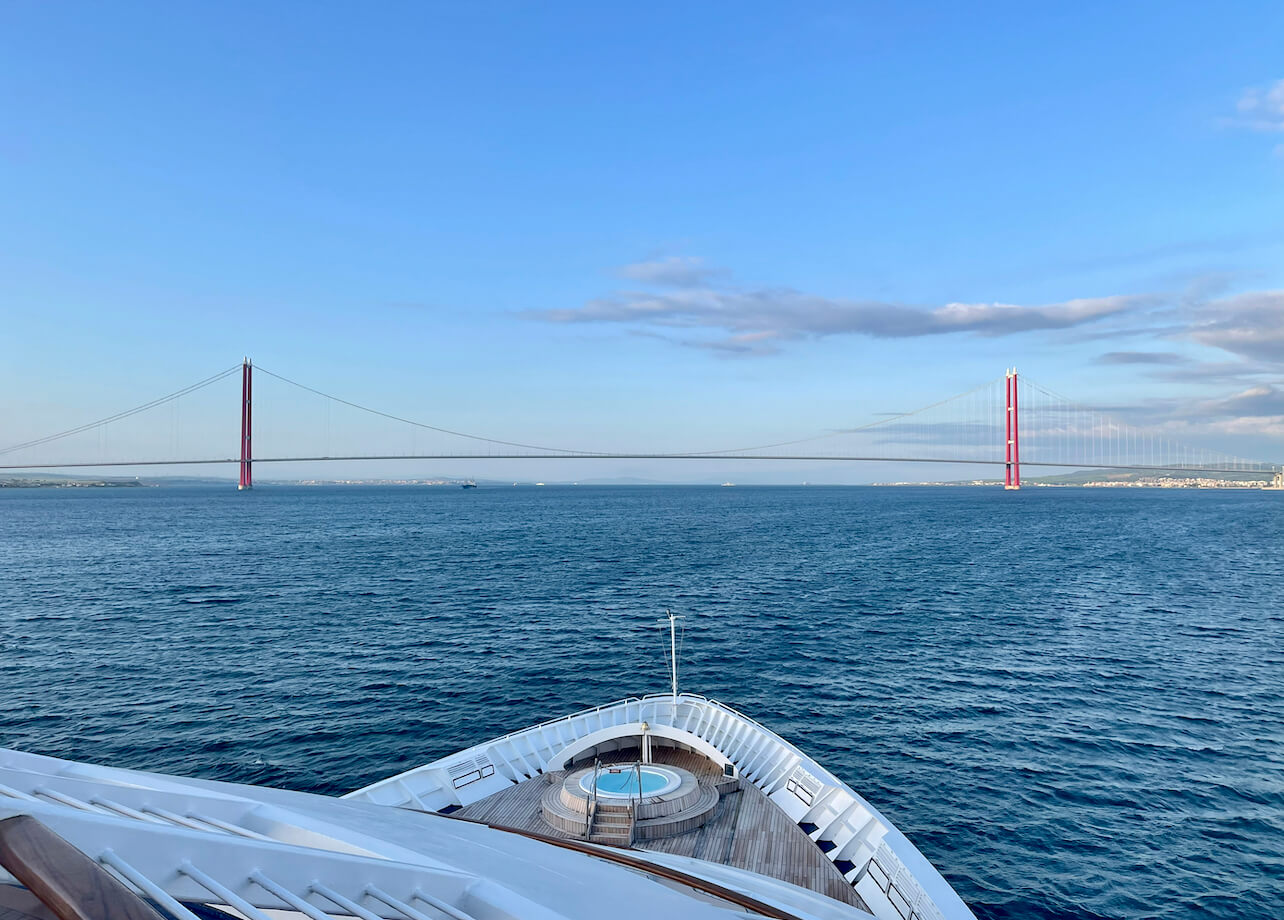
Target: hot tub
{"x": 621, "y": 782}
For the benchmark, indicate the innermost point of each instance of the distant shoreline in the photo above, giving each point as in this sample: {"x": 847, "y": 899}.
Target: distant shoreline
{"x": 1089, "y": 479}
{"x": 33, "y": 483}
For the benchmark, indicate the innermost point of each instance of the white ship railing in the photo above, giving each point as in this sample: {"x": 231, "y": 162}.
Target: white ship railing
{"x": 270, "y": 854}
{"x": 254, "y": 850}
{"x": 889, "y": 873}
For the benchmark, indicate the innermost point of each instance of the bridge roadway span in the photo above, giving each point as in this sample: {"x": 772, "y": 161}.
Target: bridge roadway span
{"x": 637, "y": 456}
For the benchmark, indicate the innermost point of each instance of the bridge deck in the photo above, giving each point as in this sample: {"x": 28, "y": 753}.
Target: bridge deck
{"x": 746, "y": 830}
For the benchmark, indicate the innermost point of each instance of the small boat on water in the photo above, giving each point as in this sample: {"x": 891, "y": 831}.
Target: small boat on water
{"x": 468, "y": 485}
{"x": 663, "y": 806}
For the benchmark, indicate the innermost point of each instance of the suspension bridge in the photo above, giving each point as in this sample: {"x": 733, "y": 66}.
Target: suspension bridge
{"x": 1009, "y": 422}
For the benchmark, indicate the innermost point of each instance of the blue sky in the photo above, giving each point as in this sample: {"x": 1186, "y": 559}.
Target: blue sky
{"x": 671, "y": 225}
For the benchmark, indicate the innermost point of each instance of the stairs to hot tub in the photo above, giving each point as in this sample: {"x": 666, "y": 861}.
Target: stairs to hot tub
{"x": 566, "y": 808}
{"x": 611, "y": 824}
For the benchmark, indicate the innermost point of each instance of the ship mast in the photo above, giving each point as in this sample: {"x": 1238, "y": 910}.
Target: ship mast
{"x": 673, "y": 656}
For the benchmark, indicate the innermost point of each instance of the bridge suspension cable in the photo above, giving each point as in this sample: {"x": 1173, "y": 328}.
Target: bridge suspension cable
{"x": 967, "y": 428}
{"x": 160, "y": 401}
{"x": 1057, "y": 428}
{"x": 423, "y": 425}
{"x": 890, "y": 420}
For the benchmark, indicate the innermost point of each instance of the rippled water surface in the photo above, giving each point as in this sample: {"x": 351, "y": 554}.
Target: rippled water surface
{"x": 1071, "y": 700}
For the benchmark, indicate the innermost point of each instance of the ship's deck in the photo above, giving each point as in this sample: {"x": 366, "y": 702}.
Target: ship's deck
{"x": 746, "y": 830}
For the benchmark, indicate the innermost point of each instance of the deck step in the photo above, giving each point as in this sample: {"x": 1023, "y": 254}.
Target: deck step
{"x": 602, "y": 819}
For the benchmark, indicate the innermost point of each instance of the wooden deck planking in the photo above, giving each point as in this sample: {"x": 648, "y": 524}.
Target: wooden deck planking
{"x": 746, "y": 830}
{"x": 518, "y": 806}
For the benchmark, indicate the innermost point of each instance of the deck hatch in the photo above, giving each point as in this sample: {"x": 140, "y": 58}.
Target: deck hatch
{"x": 470, "y": 771}
{"x": 803, "y": 785}
{"x": 899, "y": 901}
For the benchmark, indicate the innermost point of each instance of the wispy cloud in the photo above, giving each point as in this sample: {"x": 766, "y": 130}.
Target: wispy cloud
{"x": 1257, "y": 411}
{"x": 674, "y": 271}
{"x": 720, "y": 317}
{"x": 1142, "y": 357}
{"x": 1235, "y": 373}
{"x": 1247, "y": 327}
{"x": 1259, "y": 401}
{"x": 755, "y": 321}
{"x": 1250, "y": 325}
{"x": 746, "y": 345}
{"x": 1262, "y": 107}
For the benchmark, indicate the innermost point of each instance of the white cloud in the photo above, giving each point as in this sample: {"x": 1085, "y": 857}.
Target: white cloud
{"x": 755, "y": 321}
{"x": 749, "y": 321}
{"x": 1262, "y": 108}
{"x": 1261, "y": 401}
{"x": 1256, "y": 426}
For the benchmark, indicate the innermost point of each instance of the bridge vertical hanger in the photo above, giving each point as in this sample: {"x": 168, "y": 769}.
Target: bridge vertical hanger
{"x": 247, "y": 373}
{"x": 1012, "y": 446}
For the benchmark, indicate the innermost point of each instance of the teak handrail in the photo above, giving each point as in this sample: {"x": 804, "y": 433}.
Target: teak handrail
{"x": 65, "y": 880}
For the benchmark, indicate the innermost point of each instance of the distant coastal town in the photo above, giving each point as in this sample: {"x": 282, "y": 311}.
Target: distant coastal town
{"x": 46, "y": 483}
{"x": 1117, "y": 481}
{"x": 70, "y": 482}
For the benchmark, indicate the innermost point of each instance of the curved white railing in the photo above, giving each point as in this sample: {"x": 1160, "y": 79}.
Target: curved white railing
{"x": 890, "y": 874}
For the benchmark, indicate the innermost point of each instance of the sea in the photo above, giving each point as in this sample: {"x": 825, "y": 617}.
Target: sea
{"x": 1071, "y": 700}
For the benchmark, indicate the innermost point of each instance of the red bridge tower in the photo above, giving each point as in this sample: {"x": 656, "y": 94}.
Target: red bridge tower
{"x": 247, "y": 373}
{"x": 1012, "y": 447}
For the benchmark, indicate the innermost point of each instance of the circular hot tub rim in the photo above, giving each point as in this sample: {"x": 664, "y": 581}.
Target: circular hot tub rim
{"x": 672, "y": 778}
